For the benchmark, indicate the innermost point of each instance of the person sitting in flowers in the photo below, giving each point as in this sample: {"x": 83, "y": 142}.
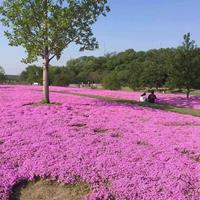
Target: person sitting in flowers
{"x": 152, "y": 97}
{"x": 143, "y": 97}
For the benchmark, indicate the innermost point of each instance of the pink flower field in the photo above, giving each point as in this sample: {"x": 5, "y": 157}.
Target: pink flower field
{"x": 123, "y": 152}
{"x": 171, "y": 99}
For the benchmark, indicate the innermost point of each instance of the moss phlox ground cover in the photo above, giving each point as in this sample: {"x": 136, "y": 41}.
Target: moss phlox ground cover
{"x": 122, "y": 151}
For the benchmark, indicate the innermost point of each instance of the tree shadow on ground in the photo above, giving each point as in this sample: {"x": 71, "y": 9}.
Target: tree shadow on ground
{"x": 155, "y": 106}
{"x": 160, "y": 105}
{"x": 192, "y": 102}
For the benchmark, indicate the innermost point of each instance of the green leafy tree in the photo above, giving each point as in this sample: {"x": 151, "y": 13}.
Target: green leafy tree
{"x": 2, "y": 75}
{"x": 82, "y": 77}
{"x": 154, "y": 68}
{"x": 135, "y": 74}
{"x": 59, "y": 76}
{"x": 31, "y": 74}
{"x": 46, "y": 27}
{"x": 185, "y": 71}
{"x": 87, "y": 68}
{"x": 154, "y": 75}
{"x": 111, "y": 81}
{"x": 95, "y": 76}
{"x": 123, "y": 76}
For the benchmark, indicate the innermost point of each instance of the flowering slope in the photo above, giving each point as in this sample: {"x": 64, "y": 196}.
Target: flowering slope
{"x": 172, "y": 99}
{"x": 131, "y": 152}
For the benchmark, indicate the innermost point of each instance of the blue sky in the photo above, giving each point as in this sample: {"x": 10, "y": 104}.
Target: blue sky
{"x": 137, "y": 24}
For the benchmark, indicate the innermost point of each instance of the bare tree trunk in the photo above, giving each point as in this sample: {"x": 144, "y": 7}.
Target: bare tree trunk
{"x": 46, "y": 82}
{"x": 188, "y": 93}
{"x": 46, "y": 60}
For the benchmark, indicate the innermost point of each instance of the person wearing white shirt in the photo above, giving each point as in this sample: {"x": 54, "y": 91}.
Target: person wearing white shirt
{"x": 143, "y": 97}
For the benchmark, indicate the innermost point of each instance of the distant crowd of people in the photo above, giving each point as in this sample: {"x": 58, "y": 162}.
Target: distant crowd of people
{"x": 151, "y": 97}
{"x": 90, "y": 84}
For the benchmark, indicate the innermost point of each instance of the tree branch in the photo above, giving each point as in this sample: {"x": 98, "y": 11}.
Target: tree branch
{"x": 52, "y": 57}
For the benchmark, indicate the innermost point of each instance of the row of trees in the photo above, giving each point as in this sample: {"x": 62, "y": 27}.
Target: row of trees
{"x": 59, "y": 76}
{"x": 46, "y": 27}
{"x": 169, "y": 67}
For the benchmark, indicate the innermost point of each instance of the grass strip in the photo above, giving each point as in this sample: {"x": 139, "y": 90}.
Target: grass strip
{"x": 166, "y": 107}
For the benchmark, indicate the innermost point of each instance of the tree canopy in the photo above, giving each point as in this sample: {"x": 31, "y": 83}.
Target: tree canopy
{"x": 46, "y": 27}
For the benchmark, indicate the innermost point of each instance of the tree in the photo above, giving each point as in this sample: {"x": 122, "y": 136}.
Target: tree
{"x": 32, "y": 74}
{"x": 59, "y": 76}
{"x": 135, "y": 75}
{"x": 154, "y": 75}
{"x": 2, "y": 75}
{"x": 185, "y": 71}
{"x": 123, "y": 77}
{"x": 111, "y": 81}
{"x": 154, "y": 72}
{"x": 46, "y": 27}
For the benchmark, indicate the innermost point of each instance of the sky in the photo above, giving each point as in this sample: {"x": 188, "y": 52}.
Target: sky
{"x": 136, "y": 24}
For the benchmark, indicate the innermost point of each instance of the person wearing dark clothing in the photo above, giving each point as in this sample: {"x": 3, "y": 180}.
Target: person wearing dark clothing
{"x": 152, "y": 97}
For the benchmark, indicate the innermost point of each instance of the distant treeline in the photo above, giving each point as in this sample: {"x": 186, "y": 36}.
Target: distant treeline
{"x": 114, "y": 70}
{"x": 165, "y": 67}
{"x": 8, "y": 79}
